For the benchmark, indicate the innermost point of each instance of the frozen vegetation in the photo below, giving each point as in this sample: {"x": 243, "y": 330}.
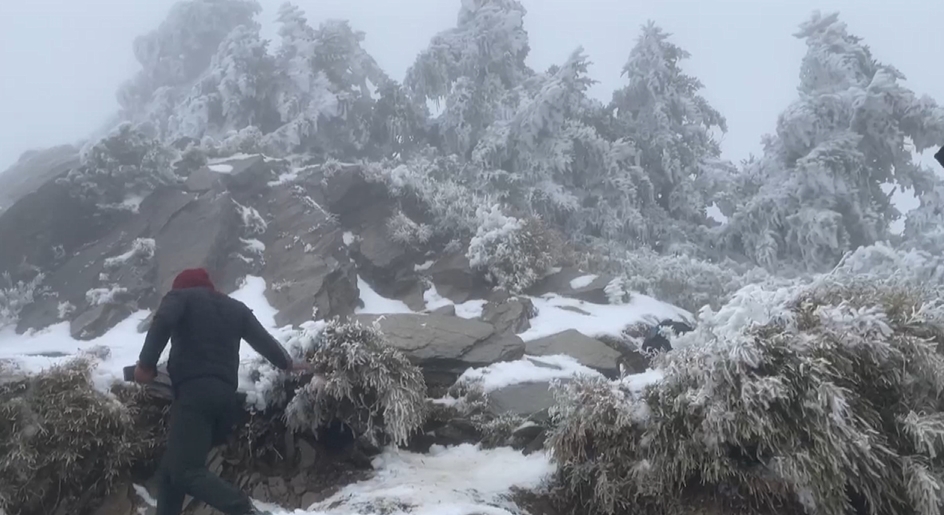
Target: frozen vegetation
{"x": 812, "y": 383}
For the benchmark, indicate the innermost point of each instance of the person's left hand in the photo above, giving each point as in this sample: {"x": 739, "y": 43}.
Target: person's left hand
{"x": 144, "y": 375}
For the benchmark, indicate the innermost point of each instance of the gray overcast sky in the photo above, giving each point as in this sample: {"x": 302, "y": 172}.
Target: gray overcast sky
{"x": 62, "y": 60}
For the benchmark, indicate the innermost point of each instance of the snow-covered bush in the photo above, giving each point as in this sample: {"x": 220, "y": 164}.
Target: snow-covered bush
{"x": 825, "y": 396}
{"x": 14, "y": 296}
{"x": 125, "y": 165}
{"x": 685, "y": 281}
{"x": 363, "y": 382}
{"x": 253, "y": 223}
{"x": 407, "y": 232}
{"x": 63, "y": 443}
{"x": 513, "y": 253}
{"x": 142, "y": 251}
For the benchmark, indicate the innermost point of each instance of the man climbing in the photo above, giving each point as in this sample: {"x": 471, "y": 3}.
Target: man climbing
{"x": 206, "y": 328}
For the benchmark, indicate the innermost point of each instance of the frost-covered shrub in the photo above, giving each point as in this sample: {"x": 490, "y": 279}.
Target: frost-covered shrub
{"x": 252, "y": 220}
{"x": 405, "y": 231}
{"x": 825, "y": 396}
{"x": 513, "y": 253}
{"x": 142, "y": 251}
{"x": 101, "y": 296}
{"x": 914, "y": 268}
{"x": 685, "y": 281}
{"x": 14, "y": 296}
{"x": 63, "y": 443}
{"x": 468, "y": 400}
{"x": 125, "y": 165}
{"x": 362, "y": 381}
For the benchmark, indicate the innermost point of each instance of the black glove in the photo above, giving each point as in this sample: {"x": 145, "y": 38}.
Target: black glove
{"x": 940, "y": 156}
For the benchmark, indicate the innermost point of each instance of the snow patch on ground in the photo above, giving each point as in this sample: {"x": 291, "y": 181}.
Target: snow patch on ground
{"x": 582, "y": 281}
{"x": 471, "y": 308}
{"x": 374, "y": 304}
{"x": 221, "y": 168}
{"x": 35, "y": 351}
{"x": 448, "y": 481}
{"x": 557, "y": 314}
{"x": 348, "y": 238}
{"x": 425, "y": 266}
{"x": 467, "y": 309}
{"x": 434, "y": 300}
{"x": 286, "y": 177}
{"x": 234, "y": 157}
{"x": 132, "y": 203}
{"x": 530, "y": 369}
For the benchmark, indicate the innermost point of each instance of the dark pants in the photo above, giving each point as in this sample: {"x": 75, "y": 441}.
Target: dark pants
{"x": 202, "y": 415}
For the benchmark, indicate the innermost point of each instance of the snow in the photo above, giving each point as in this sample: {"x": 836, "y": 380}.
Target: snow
{"x": 286, "y": 177}
{"x": 123, "y": 341}
{"x": 140, "y": 246}
{"x": 253, "y": 245}
{"x": 132, "y": 203}
{"x": 252, "y": 293}
{"x": 638, "y": 382}
{"x": 233, "y": 157}
{"x": 582, "y": 281}
{"x": 530, "y": 369}
{"x": 349, "y": 238}
{"x": 374, "y": 304}
{"x": 600, "y": 319}
{"x": 471, "y": 308}
{"x": 448, "y": 481}
{"x": 100, "y": 296}
{"x": 467, "y": 309}
{"x": 434, "y": 300}
{"x": 425, "y": 266}
{"x": 221, "y": 168}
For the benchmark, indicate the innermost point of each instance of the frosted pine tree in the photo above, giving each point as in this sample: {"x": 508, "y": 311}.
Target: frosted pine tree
{"x": 924, "y": 226}
{"x": 471, "y": 68}
{"x": 245, "y": 73}
{"x": 672, "y": 126}
{"x": 356, "y": 80}
{"x": 304, "y": 92}
{"x": 543, "y": 158}
{"x": 177, "y": 53}
{"x": 818, "y": 190}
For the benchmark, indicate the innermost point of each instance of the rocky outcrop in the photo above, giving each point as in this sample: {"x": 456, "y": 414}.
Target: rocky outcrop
{"x": 522, "y": 399}
{"x": 307, "y": 267}
{"x": 508, "y": 314}
{"x": 590, "y": 352}
{"x": 454, "y": 278}
{"x": 33, "y": 170}
{"x": 445, "y": 346}
{"x": 363, "y": 209}
{"x": 574, "y": 283}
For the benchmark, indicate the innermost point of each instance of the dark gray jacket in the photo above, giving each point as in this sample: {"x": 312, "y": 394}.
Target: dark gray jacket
{"x": 205, "y": 329}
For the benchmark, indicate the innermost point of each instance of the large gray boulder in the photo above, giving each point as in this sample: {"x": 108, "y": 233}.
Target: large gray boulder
{"x": 523, "y": 399}
{"x": 574, "y": 283}
{"x": 508, "y": 314}
{"x": 445, "y": 346}
{"x": 307, "y": 267}
{"x": 589, "y": 352}
{"x": 454, "y": 278}
{"x": 34, "y": 169}
{"x": 363, "y": 208}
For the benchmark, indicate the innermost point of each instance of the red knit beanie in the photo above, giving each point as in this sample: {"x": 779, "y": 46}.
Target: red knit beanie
{"x": 193, "y": 278}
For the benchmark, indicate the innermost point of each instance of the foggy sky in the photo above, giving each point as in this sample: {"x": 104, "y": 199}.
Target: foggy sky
{"x": 62, "y": 60}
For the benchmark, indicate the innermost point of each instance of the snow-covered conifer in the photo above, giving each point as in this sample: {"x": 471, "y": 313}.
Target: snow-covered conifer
{"x": 673, "y": 130}
{"x": 819, "y": 185}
